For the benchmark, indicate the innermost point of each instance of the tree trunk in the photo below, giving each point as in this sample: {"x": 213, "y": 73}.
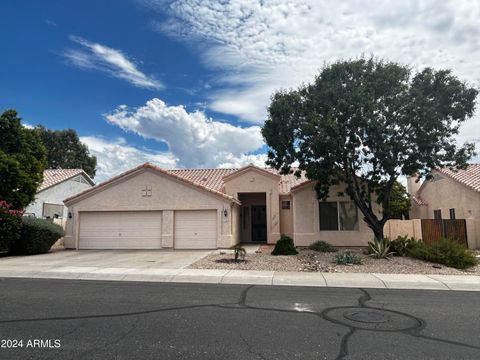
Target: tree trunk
{"x": 377, "y": 228}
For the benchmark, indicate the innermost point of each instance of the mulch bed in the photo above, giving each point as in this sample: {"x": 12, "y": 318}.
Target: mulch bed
{"x": 312, "y": 261}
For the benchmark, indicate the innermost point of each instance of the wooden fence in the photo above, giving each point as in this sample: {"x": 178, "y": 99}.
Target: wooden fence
{"x": 433, "y": 230}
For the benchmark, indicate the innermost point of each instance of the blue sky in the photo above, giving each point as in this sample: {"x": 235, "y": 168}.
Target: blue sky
{"x": 186, "y": 83}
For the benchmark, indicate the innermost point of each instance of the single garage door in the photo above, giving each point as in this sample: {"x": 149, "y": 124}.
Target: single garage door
{"x": 196, "y": 229}
{"x": 121, "y": 230}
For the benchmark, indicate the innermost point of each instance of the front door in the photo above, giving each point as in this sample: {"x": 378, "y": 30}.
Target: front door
{"x": 259, "y": 223}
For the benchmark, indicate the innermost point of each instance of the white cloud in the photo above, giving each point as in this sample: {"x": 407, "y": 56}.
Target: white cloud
{"x": 197, "y": 141}
{"x": 111, "y": 61}
{"x": 230, "y": 161}
{"x": 116, "y": 156}
{"x": 261, "y": 47}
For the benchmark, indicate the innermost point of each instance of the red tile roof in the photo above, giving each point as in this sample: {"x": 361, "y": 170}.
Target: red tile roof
{"x": 470, "y": 177}
{"x": 53, "y": 177}
{"x": 213, "y": 178}
{"x": 206, "y": 179}
{"x": 418, "y": 200}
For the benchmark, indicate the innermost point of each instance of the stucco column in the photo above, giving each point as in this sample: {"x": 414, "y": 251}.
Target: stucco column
{"x": 167, "y": 228}
{"x": 273, "y": 216}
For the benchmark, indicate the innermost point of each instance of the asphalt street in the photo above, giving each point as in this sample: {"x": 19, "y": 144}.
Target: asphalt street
{"x": 75, "y": 319}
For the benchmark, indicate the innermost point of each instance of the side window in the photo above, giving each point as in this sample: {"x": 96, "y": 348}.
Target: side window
{"x": 437, "y": 214}
{"x": 286, "y": 205}
{"x": 452, "y": 214}
{"x": 52, "y": 211}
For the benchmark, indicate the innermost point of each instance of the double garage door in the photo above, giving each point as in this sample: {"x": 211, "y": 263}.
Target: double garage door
{"x": 143, "y": 230}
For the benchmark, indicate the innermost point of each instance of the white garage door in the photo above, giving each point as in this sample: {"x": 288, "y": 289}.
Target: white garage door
{"x": 121, "y": 230}
{"x": 196, "y": 229}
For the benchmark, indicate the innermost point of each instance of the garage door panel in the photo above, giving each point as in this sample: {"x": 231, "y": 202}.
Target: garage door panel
{"x": 120, "y": 230}
{"x": 196, "y": 229}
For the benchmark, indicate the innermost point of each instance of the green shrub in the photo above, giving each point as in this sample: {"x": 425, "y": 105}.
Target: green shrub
{"x": 347, "y": 257}
{"x": 402, "y": 245}
{"x": 445, "y": 252}
{"x": 37, "y": 237}
{"x": 379, "y": 249}
{"x": 10, "y": 226}
{"x": 284, "y": 246}
{"x": 322, "y": 246}
{"x": 240, "y": 252}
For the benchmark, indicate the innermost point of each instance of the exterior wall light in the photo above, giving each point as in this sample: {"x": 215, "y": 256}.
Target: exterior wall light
{"x": 225, "y": 212}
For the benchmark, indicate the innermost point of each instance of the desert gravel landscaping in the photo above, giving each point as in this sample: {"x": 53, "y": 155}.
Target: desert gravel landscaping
{"x": 312, "y": 261}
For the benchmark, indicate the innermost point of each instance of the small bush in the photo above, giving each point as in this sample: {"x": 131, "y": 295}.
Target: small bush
{"x": 37, "y": 237}
{"x": 322, "y": 246}
{"x": 402, "y": 245}
{"x": 285, "y": 246}
{"x": 379, "y": 249}
{"x": 445, "y": 252}
{"x": 240, "y": 252}
{"x": 347, "y": 258}
{"x": 10, "y": 226}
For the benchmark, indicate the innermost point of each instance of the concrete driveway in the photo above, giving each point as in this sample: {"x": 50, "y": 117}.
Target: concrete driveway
{"x": 65, "y": 261}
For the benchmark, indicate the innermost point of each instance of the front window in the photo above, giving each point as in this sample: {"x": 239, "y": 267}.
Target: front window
{"x": 338, "y": 216}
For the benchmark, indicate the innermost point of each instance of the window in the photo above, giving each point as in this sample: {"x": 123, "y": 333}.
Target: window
{"x": 286, "y": 205}
{"x": 437, "y": 214}
{"x": 52, "y": 210}
{"x": 338, "y": 216}
{"x": 452, "y": 214}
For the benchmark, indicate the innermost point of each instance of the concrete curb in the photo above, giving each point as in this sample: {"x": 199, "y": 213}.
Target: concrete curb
{"x": 353, "y": 280}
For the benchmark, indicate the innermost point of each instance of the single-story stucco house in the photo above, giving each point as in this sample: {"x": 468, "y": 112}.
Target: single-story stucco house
{"x": 152, "y": 208}
{"x": 57, "y": 184}
{"x": 447, "y": 195}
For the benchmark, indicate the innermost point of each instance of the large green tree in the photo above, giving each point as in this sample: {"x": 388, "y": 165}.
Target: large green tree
{"x": 364, "y": 123}
{"x": 399, "y": 202}
{"x": 66, "y": 151}
{"x": 22, "y": 161}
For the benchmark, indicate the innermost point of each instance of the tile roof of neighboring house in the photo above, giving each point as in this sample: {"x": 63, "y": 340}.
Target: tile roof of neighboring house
{"x": 53, "y": 177}
{"x": 213, "y": 178}
{"x": 470, "y": 177}
{"x": 418, "y": 200}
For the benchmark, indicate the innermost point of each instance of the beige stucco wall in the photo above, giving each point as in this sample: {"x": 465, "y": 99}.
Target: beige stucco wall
{"x": 253, "y": 181}
{"x": 307, "y": 223}
{"x": 168, "y": 195}
{"x": 286, "y": 216}
{"x": 473, "y": 233}
{"x": 395, "y": 228}
{"x": 446, "y": 194}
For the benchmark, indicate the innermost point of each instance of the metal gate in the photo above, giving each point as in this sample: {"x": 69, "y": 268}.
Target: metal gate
{"x": 433, "y": 230}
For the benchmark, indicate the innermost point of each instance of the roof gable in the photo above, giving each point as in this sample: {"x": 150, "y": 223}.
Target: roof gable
{"x": 138, "y": 170}
{"x": 469, "y": 177}
{"x": 251, "y": 167}
{"x": 53, "y": 177}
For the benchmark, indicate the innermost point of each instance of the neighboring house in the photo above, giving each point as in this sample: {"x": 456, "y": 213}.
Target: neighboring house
{"x": 448, "y": 195}
{"x": 57, "y": 184}
{"x": 152, "y": 208}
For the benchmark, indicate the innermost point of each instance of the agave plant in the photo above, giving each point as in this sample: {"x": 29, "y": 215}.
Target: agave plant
{"x": 379, "y": 249}
{"x": 239, "y": 253}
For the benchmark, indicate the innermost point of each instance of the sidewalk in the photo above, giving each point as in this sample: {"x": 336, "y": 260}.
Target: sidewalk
{"x": 355, "y": 280}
